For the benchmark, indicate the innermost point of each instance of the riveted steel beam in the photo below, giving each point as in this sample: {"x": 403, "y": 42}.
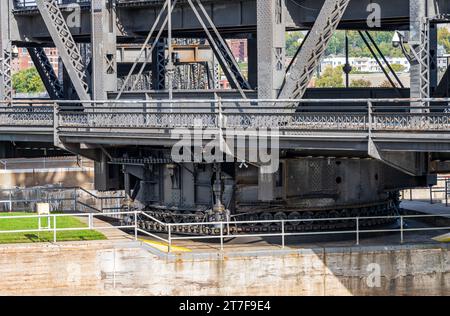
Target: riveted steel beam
{"x": 67, "y": 47}
{"x": 46, "y": 72}
{"x": 305, "y": 63}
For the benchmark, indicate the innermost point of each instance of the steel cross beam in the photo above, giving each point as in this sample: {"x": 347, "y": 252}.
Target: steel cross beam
{"x": 225, "y": 51}
{"x": 216, "y": 48}
{"x": 303, "y": 66}
{"x": 46, "y": 72}
{"x": 232, "y": 65}
{"x": 67, "y": 47}
{"x": 380, "y": 64}
{"x": 144, "y": 45}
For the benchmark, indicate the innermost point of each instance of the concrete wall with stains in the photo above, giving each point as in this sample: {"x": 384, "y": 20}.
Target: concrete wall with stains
{"x": 102, "y": 268}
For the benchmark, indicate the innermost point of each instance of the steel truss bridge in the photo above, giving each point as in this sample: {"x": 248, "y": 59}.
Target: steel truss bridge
{"x": 132, "y": 72}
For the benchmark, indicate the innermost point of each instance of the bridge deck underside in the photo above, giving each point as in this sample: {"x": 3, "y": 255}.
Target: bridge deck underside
{"x": 231, "y": 17}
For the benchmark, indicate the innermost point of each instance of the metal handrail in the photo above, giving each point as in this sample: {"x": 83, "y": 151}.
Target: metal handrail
{"x": 74, "y": 197}
{"x": 434, "y": 189}
{"x": 222, "y": 224}
{"x": 55, "y": 229}
{"x": 206, "y": 101}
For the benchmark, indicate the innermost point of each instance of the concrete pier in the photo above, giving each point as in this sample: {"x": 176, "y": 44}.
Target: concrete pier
{"x": 116, "y": 268}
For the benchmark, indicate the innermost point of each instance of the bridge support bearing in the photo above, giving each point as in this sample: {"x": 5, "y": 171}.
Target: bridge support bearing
{"x": 302, "y": 188}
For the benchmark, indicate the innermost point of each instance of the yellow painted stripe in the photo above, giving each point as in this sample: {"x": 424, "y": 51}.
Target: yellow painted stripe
{"x": 162, "y": 246}
{"x": 443, "y": 238}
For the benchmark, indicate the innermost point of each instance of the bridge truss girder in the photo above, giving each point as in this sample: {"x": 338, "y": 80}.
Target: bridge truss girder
{"x": 66, "y": 45}
{"x": 309, "y": 55}
{"x": 45, "y": 69}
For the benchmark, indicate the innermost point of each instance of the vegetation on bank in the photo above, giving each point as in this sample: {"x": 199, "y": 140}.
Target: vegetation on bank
{"x": 27, "y": 81}
{"x": 7, "y": 224}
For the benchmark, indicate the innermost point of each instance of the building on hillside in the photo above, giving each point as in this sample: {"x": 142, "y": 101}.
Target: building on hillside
{"x": 238, "y": 48}
{"x": 23, "y": 60}
{"x": 363, "y": 64}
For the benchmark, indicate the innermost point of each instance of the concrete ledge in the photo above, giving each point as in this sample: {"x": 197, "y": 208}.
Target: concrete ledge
{"x": 121, "y": 268}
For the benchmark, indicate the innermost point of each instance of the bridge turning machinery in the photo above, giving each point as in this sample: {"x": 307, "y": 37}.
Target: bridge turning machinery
{"x": 115, "y": 51}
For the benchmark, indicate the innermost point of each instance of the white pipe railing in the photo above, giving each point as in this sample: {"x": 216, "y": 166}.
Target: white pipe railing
{"x": 53, "y": 219}
{"x": 15, "y": 196}
{"x": 222, "y": 226}
{"x": 433, "y": 190}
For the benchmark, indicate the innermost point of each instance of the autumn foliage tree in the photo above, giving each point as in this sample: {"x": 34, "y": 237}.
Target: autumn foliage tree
{"x": 28, "y": 81}
{"x": 331, "y": 78}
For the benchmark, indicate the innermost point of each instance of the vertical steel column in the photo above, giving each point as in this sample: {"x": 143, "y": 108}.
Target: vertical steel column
{"x": 159, "y": 66}
{"x": 5, "y": 51}
{"x": 252, "y": 62}
{"x": 104, "y": 48}
{"x": 419, "y": 41}
{"x": 271, "y": 41}
{"x": 170, "y": 66}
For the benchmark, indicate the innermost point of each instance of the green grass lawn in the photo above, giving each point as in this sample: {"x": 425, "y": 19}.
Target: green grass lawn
{"x": 32, "y": 223}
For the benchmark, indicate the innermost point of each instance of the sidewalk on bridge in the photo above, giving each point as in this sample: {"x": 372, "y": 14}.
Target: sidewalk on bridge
{"x": 426, "y": 208}
{"x": 111, "y": 233}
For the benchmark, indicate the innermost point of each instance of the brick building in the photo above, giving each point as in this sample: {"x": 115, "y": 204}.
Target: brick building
{"x": 23, "y": 60}
{"x": 239, "y": 49}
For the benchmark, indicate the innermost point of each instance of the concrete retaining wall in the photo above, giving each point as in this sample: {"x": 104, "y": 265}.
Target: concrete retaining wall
{"x": 67, "y": 177}
{"x": 102, "y": 268}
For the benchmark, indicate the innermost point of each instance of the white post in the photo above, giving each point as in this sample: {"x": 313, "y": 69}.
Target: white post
{"x": 135, "y": 226}
{"x": 169, "y": 247}
{"x": 401, "y": 229}
{"x": 221, "y": 236}
{"x": 54, "y": 228}
{"x": 75, "y": 199}
{"x": 10, "y": 201}
{"x": 357, "y": 231}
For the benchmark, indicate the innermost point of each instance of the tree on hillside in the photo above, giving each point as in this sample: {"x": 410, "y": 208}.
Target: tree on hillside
{"x": 386, "y": 84}
{"x": 444, "y": 38}
{"x": 331, "y": 78}
{"x": 360, "y": 83}
{"x": 28, "y": 81}
{"x": 397, "y": 67}
{"x": 293, "y": 41}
